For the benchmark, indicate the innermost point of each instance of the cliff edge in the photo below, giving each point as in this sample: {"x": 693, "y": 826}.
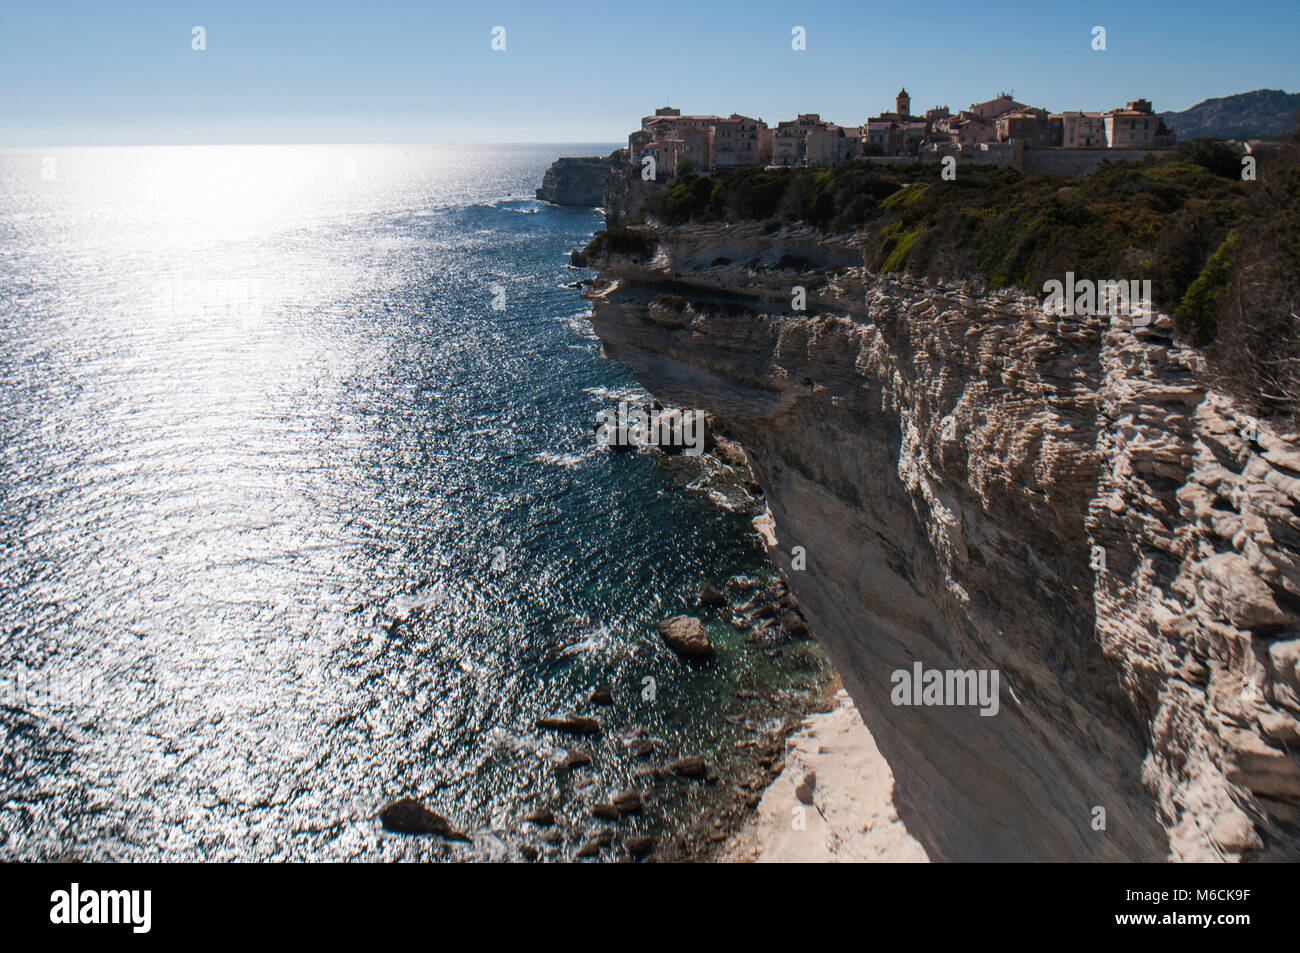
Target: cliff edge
{"x": 578, "y": 180}
{"x": 976, "y": 485}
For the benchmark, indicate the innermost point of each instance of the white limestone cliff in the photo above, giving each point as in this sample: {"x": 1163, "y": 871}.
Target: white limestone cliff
{"x": 980, "y": 486}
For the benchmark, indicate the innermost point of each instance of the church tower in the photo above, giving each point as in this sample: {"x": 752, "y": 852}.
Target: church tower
{"x": 904, "y": 103}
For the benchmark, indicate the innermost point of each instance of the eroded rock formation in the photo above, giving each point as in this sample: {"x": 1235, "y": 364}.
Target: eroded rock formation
{"x": 577, "y": 180}
{"x": 977, "y": 485}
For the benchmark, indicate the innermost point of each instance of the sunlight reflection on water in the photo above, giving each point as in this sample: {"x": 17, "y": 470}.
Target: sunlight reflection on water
{"x": 255, "y": 397}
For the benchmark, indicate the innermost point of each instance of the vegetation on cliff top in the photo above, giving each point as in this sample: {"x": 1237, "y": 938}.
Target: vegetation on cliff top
{"x": 1222, "y": 254}
{"x": 621, "y": 240}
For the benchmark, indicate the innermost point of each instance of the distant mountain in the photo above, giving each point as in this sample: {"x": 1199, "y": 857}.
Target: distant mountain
{"x": 1259, "y": 114}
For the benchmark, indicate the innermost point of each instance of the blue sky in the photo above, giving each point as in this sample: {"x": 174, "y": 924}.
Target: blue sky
{"x": 404, "y": 71}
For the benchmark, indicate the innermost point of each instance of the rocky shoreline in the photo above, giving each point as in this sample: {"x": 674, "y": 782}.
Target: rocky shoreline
{"x": 626, "y": 795}
{"x": 768, "y": 613}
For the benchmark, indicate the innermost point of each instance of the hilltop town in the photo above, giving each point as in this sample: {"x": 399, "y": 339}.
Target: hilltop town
{"x": 997, "y": 131}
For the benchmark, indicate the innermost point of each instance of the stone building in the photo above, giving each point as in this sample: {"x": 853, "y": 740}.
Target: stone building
{"x": 895, "y": 131}
{"x": 671, "y": 138}
{"x": 714, "y": 142}
{"x": 1082, "y": 130}
{"x": 708, "y": 142}
{"x": 740, "y": 141}
{"x": 808, "y": 140}
{"x": 1034, "y": 127}
{"x": 992, "y": 108}
{"x": 1136, "y": 127}
{"x": 903, "y": 103}
{"x": 827, "y": 143}
{"x": 879, "y": 132}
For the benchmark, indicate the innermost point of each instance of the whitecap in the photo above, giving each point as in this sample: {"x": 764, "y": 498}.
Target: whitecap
{"x": 569, "y": 461}
{"x": 598, "y": 639}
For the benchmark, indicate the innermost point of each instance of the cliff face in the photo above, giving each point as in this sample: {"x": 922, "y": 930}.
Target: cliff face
{"x": 579, "y": 180}
{"x": 979, "y": 486}
{"x": 626, "y": 193}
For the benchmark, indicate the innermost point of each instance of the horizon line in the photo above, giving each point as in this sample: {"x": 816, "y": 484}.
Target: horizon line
{"x": 439, "y": 145}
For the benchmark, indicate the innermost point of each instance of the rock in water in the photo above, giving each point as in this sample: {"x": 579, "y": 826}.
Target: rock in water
{"x": 628, "y": 802}
{"x": 641, "y": 747}
{"x": 685, "y": 635}
{"x": 711, "y": 597}
{"x": 639, "y": 845}
{"x": 409, "y": 816}
{"x": 574, "y": 758}
{"x": 574, "y": 725}
{"x": 592, "y": 847}
{"x": 689, "y": 767}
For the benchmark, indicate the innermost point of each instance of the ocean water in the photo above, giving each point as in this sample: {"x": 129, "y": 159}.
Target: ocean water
{"x": 301, "y": 513}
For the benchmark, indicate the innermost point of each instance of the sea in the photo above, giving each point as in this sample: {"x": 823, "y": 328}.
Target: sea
{"x": 302, "y": 513}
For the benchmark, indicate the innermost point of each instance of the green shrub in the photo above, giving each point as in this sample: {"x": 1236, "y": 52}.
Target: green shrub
{"x": 1213, "y": 155}
{"x": 1195, "y": 314}
{"x": 621, "y": 240}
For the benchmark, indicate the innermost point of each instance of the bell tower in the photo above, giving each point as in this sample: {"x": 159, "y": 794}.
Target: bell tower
{"x": 904, "y": 103}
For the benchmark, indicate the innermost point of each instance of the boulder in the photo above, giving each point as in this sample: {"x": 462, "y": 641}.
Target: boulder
{"x": 409, "y": 816}
{"x": 639, "y": 844}
{"x": 628, "y": 802}
{"x": 572, "y": 724}
{"x": 641, "y": 747}
{"x": 689, "y": 768}
{"x": 711, "y": 597}
{"x": 685, "y": 635}
{"x": 793, "y": 623}
{"x": 574, "y": 758}
{"x": 592, "y": 847}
